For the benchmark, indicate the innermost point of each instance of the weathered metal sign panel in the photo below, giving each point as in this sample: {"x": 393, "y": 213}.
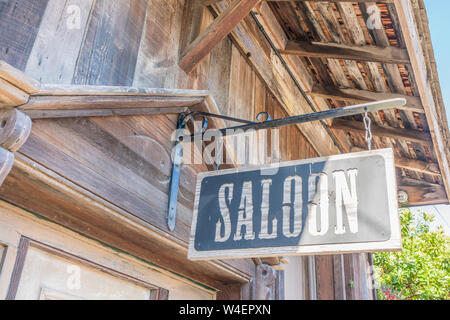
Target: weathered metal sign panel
{"x": 338, "y": 204}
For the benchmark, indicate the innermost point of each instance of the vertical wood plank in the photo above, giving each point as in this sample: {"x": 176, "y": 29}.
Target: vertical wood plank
{"x": 3, "y": 251}
{"x": 109, "y": 53}
{"x": 312, "y": 278}
{"x": 305, "y": 278}
{"x": 264, "y": 282}
{"x": 353, "y": 276}
{"x": 58, "y": 41}
{"x": 216, "y": 32}
{"x": 163, "y": 294}
{"x": 357, "y": 276}
{"x": 19, "y": 24}
{"x": 240, "y": 100}
{"x": 22, "y": 251}
{"x": 247, "y": 290}
{"x": 198, "y": 78}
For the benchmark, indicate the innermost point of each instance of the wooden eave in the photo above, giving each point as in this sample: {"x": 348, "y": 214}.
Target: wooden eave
{"x": 329, "y": 71}
{"x": 418, "y": 133}
{"x": 427, "y": 47}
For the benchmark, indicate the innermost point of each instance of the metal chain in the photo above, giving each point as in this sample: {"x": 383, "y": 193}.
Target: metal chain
{"x": 367, "y": 124}
{"x": 219, "y": 154}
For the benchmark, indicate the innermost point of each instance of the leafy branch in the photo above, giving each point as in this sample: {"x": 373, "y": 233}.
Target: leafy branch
{"x": 422, "y": 270}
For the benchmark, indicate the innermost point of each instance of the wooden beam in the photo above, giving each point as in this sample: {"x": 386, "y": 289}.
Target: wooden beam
{"x": 11, "y": 96}
{"x": 91, "y": 90}
{"x": 424, "y": 167}
{"x": 394, "y": 133}
{"x": 67, "y": 102}
{"x": 6, "y": 163}
{"x": 251, "y": 43}
{"x": 216, "y": 32}
{"x": 358, "y": 96}
{"x": 406, "y": 181}
{"x": 305, "y": 79}
{"x": 72, "y": 206}
{"x": 424, "y": 77}
{"x": 15, "y": 129}
{"x": 422, "y": 193}
{"x": 102, "y": 101}
{"x": 422, "y": 196}
{"x": 15, "y": 86}
{"x": 17, "y": 78}
{"x": 41, "y": 107}
{"x": 341, "y": 51}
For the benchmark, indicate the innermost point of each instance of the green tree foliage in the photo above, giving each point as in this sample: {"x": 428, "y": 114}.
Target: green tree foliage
{"x": 421, "y": 271}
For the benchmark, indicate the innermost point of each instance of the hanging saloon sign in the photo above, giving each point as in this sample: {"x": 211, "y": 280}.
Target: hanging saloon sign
{"x": 338, "y": 204}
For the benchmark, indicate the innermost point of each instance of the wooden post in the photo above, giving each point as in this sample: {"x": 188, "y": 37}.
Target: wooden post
{"x": 346, "y": 52}
{"x": 6, "y": 163}
{"x": 395, "y": 133}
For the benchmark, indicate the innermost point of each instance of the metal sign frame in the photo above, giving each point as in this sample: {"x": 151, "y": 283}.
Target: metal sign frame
{"x": 392, "y": 244}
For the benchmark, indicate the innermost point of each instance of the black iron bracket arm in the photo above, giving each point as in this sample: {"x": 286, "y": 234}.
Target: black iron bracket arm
{"x": 309, "y": 117}
{"x": 251, "y": 125}
{"x": 183, "y": 119}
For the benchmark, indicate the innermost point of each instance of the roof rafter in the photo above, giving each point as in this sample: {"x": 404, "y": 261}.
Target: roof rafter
{"x": 357, "y": 96}
{"x": 342, "y": 51}
{"x": 194, "y": 53}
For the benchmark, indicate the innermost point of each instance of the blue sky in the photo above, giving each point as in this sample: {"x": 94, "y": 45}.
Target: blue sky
{"x": 438, "y": 16}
